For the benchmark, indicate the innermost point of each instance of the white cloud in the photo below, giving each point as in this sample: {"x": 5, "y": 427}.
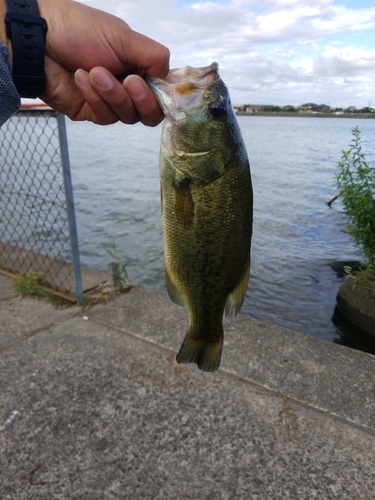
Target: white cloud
{"x": 280, "y": 51}
{"x": 344, "y": 61}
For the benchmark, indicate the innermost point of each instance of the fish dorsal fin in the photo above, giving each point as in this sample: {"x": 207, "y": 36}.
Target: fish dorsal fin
{"x": 236, "y": 298}
{"x": 173, "y": 292}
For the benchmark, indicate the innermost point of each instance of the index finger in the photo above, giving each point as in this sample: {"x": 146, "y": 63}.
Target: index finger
{"x": 144, "y": 100}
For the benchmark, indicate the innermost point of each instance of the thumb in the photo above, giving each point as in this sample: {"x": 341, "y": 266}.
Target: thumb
{"x": 145, "y": 55}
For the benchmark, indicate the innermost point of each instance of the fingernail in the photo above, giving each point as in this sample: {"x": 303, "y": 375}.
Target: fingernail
{"x": 135, "y": 86}
{"x": 82, "y": 78}
{"x": 102, "y": 79}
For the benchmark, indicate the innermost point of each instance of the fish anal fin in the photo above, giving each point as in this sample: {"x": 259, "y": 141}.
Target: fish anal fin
{"x": 236, "y": 297}
{"x": 207, "y": 355}
{"x": 173, "y": 291}
{"x": 184, "y": 205}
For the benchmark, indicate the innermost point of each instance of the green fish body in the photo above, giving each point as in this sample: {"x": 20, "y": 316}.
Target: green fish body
{"x": 206, "y": 206}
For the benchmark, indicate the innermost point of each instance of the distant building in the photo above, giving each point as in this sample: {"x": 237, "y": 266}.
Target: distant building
{"x": 307, "y": 108}
{"x": 311, "y": 107}
{"x": 322, "y": 108}
{"x": 253, "y": 108}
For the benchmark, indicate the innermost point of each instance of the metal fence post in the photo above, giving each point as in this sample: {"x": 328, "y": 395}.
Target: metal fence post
{"x": 70, "y": 205}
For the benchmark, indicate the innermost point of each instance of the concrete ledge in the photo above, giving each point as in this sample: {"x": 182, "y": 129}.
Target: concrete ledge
{"x": 94, "y": 406}
{"x": 326, "y": 376}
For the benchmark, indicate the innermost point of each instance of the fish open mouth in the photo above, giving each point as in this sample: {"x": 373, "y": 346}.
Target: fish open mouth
{"x": 192, "y": 75}
{"x": 183, "y": 90}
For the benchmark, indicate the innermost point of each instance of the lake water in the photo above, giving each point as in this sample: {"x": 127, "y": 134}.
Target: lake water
{"x": 296, "y": 235}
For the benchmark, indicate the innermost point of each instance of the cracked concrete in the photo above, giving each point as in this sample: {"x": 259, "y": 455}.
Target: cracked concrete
{"x": 98, "y": 408}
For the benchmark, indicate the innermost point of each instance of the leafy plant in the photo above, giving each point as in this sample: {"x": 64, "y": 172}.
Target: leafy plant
{"x": 30, "y": 285}
{"x": 363, "y": 278}
{"x": 119, "y": 272}
{"x": 366, "y": 279}
{"x": 356, "y": 182}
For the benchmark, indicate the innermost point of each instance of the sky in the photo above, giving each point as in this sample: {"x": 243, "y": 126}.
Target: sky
{"x": 269, "y": 51}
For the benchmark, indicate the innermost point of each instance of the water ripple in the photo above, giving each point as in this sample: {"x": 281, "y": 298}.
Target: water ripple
{"x": 293, "y": 161}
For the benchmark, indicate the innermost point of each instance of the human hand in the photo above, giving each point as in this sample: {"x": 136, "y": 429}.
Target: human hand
{"x": 88, "y": 54}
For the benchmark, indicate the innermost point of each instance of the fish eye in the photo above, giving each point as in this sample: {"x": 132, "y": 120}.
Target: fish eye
{"x": 217, "y": 109}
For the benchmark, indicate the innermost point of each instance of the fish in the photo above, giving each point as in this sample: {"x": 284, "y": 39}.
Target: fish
{"x": 207, "y": 206}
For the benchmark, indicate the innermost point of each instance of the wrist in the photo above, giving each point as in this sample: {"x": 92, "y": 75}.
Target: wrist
{"x": 26, "y": 30}
{"x": 3, "y": 32}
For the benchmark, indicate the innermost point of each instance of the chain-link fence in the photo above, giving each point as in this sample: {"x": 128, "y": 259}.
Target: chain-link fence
{"x": 37, "y": 220}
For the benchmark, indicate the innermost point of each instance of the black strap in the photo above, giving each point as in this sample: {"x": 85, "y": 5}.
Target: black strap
{"x": 27, "y": 31}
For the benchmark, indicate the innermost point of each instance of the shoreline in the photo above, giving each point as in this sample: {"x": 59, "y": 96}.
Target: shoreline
{"x": 309, "y": 115}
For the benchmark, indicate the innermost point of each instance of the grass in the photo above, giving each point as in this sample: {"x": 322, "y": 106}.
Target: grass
{"x": 364, "y": 278}
{"x": 30, "y": 285}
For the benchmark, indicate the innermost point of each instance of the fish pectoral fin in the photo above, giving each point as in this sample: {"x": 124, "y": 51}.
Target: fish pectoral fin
{"x": 184, "y": 205}
{"x": 173, "y": 292}
{"x": 207, "y": 355}
{"x": 236, "y": 298}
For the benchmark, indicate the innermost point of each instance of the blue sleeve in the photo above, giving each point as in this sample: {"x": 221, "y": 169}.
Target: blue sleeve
{"x": 10, "y": 100}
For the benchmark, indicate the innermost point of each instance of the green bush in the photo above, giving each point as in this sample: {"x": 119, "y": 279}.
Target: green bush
{"x": 356, "y": 182}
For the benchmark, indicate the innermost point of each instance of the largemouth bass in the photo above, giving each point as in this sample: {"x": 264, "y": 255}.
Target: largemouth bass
{"x": 206, "y": 206}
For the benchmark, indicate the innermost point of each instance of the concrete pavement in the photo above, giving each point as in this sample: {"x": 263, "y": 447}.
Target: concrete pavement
{"x": 94, "y": 406}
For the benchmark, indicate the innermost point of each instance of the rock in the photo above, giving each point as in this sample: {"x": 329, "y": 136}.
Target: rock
{"x": 339, "y": 266}
{"x": 358, "y": 305}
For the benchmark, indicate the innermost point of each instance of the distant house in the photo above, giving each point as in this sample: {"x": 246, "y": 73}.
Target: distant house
{"x": 322, "y": 108}
{"x": 253, "y": 108}
{"x": 352, "y": 109}
{"x": 307, "y": 108}
{"x": 311, "y": 107}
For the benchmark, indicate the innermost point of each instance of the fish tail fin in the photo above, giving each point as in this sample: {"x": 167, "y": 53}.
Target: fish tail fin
{"x": 207, "y": 355}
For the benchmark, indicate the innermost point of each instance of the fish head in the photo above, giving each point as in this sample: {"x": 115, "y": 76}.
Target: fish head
{"x": 200, "y": 131}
